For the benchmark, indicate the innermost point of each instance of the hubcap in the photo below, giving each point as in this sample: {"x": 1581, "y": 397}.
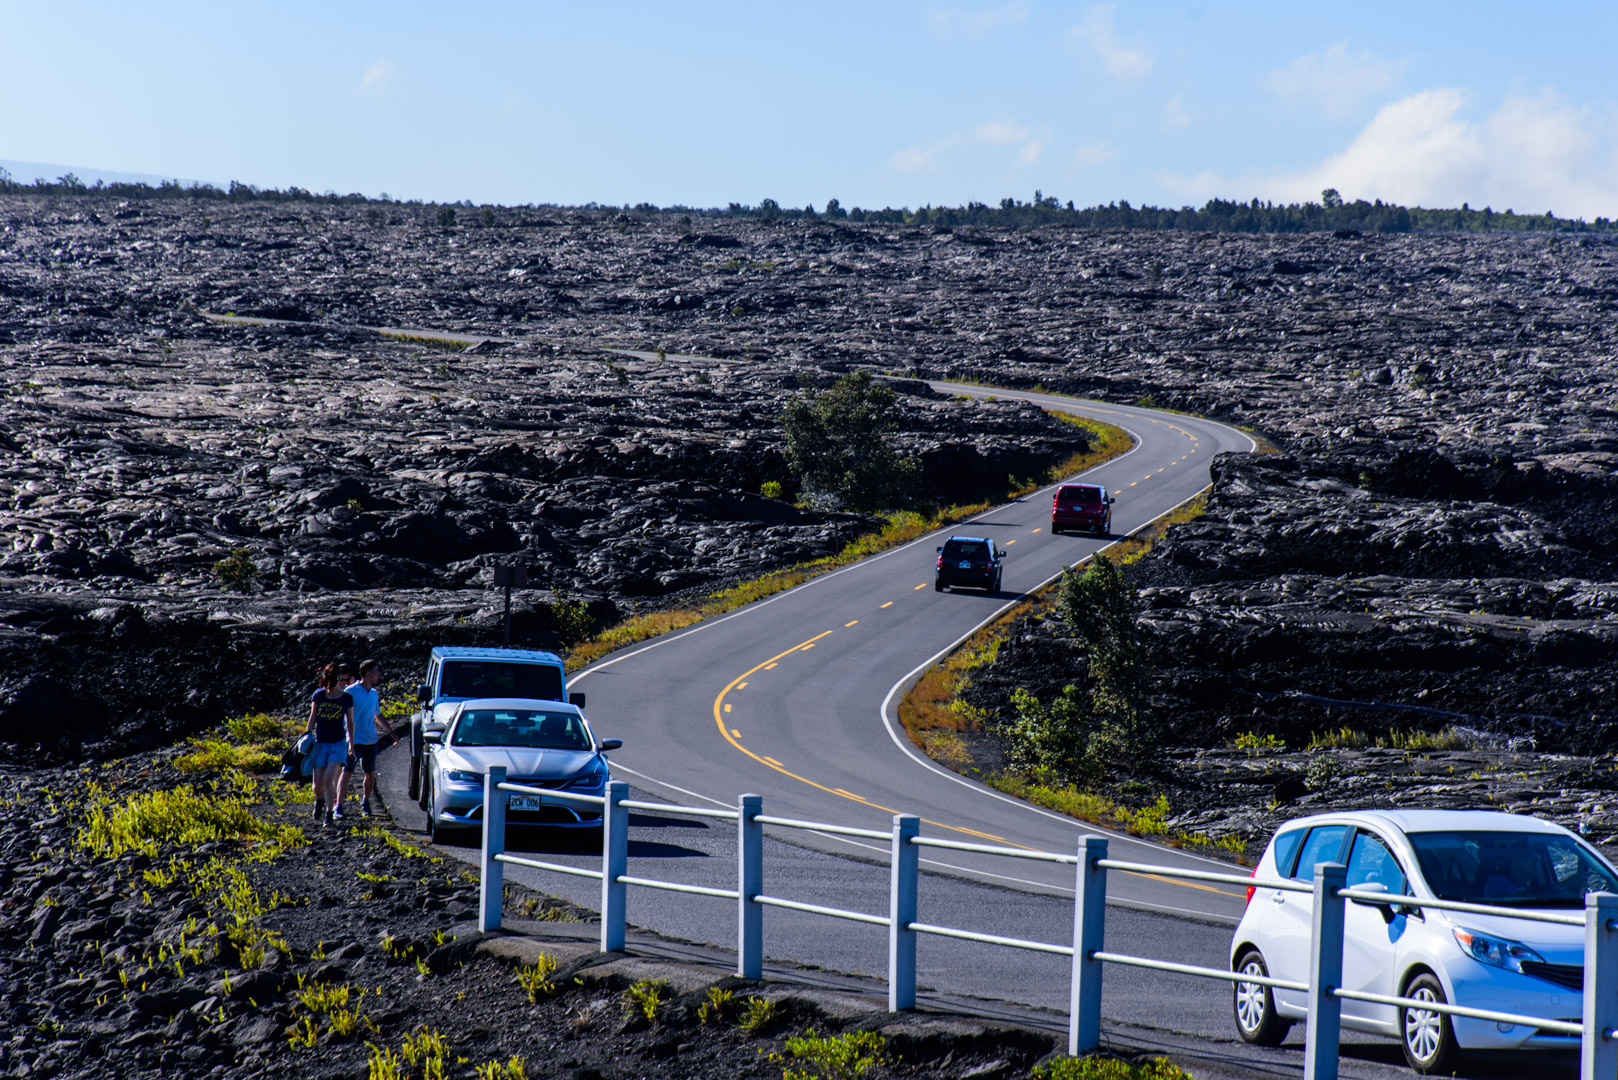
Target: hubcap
{"x": 1250, "y": 999}
{"x": 1421, "y": 1027}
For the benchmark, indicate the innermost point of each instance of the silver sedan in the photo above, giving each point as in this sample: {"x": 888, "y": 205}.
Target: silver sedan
{"x": 542, "y": 744}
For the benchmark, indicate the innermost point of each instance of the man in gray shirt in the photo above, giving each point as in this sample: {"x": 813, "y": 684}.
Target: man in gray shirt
{"x": 366, "y": 707}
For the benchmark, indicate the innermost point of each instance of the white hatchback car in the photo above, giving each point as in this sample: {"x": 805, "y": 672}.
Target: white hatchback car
{"x": 1484, "y": 961}
{"x": 542, "y": 744}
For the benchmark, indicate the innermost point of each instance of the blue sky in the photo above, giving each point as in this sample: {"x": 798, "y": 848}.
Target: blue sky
{"x": 876, "y": 104}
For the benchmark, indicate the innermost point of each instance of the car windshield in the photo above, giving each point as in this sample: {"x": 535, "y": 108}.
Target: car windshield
{"x": 500, "y": 678}
{"x": 966, "y": 549}
{"x": 1510, "y": 869}
{"x": 528, "y": 728}
{"x": 1081, "y": 495}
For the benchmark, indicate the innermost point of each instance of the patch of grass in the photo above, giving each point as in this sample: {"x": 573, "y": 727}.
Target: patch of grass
{"x": 647, "y": 997}
{"x": 834, "y": 1057}
{"x": 494, "y": 1070}
{"x": 427, "y": 339}
{"x": 218, "y": 755}
{"x": 759, "y": 1015}
{"x": 260, "y": 727}
{"x": 719, "y": 1007}
{"x": 1252, "y": 742}
{"x": 1108, "y": 1067}
{"x": 1107, "y": 441}
{"x": 181, "y": 815}
{"x": 535, "y": 979}
{"x": 1100, "y": 810}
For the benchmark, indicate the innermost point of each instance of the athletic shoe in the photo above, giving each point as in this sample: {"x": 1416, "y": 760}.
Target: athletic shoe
{"x": 329, "y": 818}
{"x": 338, "y": 811}
{"x": 365, "y": 808}
{"x": 320, "y": 808}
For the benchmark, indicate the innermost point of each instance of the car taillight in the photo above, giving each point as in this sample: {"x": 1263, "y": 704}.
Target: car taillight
{"x": 1251, "y": 889}
{"x": 939, "y": 565}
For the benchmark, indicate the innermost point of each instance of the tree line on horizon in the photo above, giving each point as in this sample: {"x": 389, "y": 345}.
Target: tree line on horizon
{"x": 1331, "y": 214}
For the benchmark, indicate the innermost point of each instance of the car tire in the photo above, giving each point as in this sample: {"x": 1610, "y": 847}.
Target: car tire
{"x": 1253, "y": 1004}
{"x": 938, "y": 586}
{"x": 1427, "y": 1038}
{"x": 413, "y": 786}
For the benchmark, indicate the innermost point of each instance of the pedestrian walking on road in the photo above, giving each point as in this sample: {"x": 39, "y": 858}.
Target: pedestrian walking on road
{"x": 331, "y": 721}
{"x": 367, "y": 708}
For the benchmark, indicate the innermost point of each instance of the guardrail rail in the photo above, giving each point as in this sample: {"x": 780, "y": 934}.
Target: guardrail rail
{"x": 1598, "y": 1031}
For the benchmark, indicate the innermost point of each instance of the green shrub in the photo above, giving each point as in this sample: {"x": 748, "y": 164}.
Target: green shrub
{"x": 647, "y": 997}
{"x": 1107, "y": 1067}
{"x": 771, "y": 489}
{"x": 835, "y": 1057}
{"x": 836, "y": 444}
{"x": 236, "y": 571}
{"x": 1248, "y": 740}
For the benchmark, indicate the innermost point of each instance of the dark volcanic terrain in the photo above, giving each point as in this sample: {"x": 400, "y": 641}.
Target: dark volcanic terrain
{"x": 1433, "y": 550}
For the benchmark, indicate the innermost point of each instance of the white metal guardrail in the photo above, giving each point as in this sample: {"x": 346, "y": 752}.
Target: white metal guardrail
{"x": 1598, "y": 1033}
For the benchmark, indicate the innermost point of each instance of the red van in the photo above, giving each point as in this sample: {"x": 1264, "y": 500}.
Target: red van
{"x": 1082, "y": 506}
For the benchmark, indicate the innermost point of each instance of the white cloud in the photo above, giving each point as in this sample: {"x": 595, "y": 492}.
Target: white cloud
{"x": 1334, "y": 82}
{"x": 1097, "y": 34}
{"x": 949, "y": 22}
{"x": 377, "y": 78}
{"x": 1532, "y": 154}
{"x": 1086, "y": 157}
{"x": 995, "y": 133}
{"x": 1176, "y": 116}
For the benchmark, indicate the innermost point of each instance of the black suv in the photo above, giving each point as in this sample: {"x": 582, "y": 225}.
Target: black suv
{"x": 971, "y": 561}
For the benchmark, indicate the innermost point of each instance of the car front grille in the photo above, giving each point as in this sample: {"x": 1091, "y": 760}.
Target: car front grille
{"x": 1568, "y": 975}
{"x": 545, "y": 782}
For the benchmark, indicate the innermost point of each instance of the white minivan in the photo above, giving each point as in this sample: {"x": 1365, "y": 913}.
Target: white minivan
{"x": 1483, "y": 961}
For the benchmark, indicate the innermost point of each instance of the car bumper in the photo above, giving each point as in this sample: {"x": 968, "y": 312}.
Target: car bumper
{"x": 551, "y": 812}
{"x": 1093, "y": 523}
{"x": 1521, "y": 995}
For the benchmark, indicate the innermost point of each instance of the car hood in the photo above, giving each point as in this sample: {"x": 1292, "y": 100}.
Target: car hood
{"x": 520, "y": 761}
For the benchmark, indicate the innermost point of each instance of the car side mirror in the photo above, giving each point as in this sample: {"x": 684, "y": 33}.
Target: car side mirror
{"x": 433, "y": 737}
{"x": 1112, "y": 498}
{"x": 424, "y": 693}
{"x": 576, "y": 699}
{"x": 940, "y": 548}
{"x": 1375, "y": 886}
{"x": 610, "y": 744}
{"x": 1000, "y": 553}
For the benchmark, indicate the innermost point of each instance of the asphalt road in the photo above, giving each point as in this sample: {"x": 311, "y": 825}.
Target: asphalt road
{"x": 794, "y": 698}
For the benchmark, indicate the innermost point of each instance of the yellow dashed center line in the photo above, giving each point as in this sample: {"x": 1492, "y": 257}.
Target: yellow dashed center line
{"x": 851, "y": 622}
{"x": 736, "y": 733}
{"x": 741, "y": 686}
{"x": 888, "y": 604}
{"x": 921, "y": 586}
{"x": 727, "y": 706}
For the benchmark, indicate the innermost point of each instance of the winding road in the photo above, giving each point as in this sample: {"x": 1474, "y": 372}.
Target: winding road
{"x": 795, "y": 698}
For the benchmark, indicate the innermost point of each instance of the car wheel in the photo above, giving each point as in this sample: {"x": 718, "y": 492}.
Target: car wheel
{"x": 1254, "y": 1006}
{"x": 413, "y": 787}
{"x": 938, "y": 586}
{"x": 1429, "y": 1038}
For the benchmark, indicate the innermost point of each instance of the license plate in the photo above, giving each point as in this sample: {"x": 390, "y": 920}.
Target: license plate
{"x": 524, "y": 802}
{"x": 966, "y": 566}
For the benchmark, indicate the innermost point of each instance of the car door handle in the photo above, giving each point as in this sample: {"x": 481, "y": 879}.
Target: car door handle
{"x": 1278, "y": 898}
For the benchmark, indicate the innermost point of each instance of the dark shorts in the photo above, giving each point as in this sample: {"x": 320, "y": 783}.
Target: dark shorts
{"x": 365, "y": 754}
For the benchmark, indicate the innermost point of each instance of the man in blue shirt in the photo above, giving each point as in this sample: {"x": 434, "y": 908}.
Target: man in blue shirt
{"x": 366, "y": 707}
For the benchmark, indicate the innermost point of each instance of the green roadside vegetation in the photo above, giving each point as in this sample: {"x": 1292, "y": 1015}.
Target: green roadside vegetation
{"x": 1061, "y": 747}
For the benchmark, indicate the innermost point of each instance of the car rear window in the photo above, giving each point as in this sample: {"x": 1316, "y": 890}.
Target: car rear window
{"x": 500, "y": 678}
{"x": 1286, "y": 846}
{"x": 962, "y": 549}
{"x": 1080, "y": 495}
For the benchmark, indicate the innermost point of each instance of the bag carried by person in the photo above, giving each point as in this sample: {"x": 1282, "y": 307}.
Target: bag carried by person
{"x": 295, "y": 762}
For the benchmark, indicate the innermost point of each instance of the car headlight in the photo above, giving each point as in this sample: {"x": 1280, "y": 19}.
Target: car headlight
{"x": 1495, "y": 951}
{"x": 461, "y": 776}
{"x": 594, "y": 777}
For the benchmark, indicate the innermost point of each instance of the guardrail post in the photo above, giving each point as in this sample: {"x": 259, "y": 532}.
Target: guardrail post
{"x": 1089, "y": 934}
{"x": 1598, "y": 1052}
{"x": 902, "y": 912}
{"x": 492, "y": 895}
{"x": 749, "y": 884}
{"x": 1325, "y": 975}
{"x": 614, "y": 864}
